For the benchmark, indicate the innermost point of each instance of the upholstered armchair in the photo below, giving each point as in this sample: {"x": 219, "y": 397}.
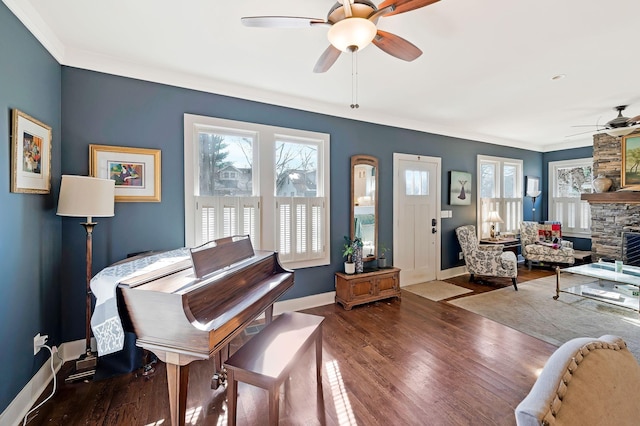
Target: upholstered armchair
{"x": 586, "y": 381}
{"x": 532, "y": 251}
{"x": 488, "y": 260}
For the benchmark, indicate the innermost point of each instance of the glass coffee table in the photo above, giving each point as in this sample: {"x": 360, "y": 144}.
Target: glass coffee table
{"x": 618, "y": 288}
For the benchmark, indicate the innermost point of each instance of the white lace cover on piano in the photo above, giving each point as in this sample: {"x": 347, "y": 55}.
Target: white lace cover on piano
{"x": 105, "y": 321}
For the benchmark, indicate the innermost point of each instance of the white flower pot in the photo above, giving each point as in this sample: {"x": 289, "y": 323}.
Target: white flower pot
{"x": 349, "y": 268}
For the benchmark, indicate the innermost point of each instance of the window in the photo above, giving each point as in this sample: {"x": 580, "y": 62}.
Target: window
{"x": 567, "y": 180}
{"x": 267, "y": 182}
{"x": 500, "y": 190}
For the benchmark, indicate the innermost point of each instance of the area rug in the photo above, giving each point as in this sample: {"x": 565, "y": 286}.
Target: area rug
{"x": 533, "y": 311}
{"x": 436, "y": 290}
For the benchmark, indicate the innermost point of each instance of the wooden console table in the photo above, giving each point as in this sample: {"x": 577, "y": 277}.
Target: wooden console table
{"x": 356, "y": 289}
{"x": 510, "y": 244}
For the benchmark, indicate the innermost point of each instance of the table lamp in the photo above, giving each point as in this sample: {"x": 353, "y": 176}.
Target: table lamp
{"x": 493, "y": 218}
{"x": 83, "y": 196}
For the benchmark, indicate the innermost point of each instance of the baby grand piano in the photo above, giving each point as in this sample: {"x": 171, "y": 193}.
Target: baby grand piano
{"x": 191, "y": 310}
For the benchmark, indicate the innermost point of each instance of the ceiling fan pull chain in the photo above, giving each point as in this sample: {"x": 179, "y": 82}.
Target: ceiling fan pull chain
{"x": 354, "y": 79}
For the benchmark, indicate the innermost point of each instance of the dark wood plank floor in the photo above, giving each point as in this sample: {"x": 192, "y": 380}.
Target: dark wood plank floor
{"x": 412, "y": 362}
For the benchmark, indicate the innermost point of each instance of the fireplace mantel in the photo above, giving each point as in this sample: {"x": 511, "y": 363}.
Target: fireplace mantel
{"x": 622, "y": 197}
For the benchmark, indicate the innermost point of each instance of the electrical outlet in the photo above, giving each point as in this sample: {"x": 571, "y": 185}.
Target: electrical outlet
{"x": 460, "y": 256}
{"x": 38, "y": 341}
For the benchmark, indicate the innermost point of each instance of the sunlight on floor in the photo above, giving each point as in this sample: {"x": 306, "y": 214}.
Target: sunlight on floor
{"x": 340, "y": 397}
{"x": 192, "y": 415}
{"x": 159, "y": 422}
{"x": 632, "y": 321}
{"x": 222, "y": 419}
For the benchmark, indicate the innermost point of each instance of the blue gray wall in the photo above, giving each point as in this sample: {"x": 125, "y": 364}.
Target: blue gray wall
{"x": 30, "y": 231}
{"x": 43, "y": 255}
{"x": 106, "y": 109}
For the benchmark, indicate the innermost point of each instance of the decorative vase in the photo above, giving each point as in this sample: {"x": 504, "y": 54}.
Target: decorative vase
{"x": 357, "y": 258}
{"x": 602, "y": 183}
{"x": 349, "y": 268}
{"x": 382, "y": 262}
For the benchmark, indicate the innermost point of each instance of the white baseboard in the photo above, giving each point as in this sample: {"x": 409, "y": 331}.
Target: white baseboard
{"x": 452, "y": 272}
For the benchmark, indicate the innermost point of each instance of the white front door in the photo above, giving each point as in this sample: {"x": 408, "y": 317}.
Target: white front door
{"x": 416, "y": 203}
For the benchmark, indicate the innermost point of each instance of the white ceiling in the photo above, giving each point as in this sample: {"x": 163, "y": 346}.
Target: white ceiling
{"x": 485, "y": 73}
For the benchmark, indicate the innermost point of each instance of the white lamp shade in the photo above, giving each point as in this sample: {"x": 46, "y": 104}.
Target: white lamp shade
{"x": 353, "y": 31}
{"x": 84, "y": 196}
{"x": 494, "y": 217}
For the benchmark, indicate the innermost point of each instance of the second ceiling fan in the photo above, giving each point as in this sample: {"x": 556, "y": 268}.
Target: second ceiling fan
{"x": 353, "y": 25}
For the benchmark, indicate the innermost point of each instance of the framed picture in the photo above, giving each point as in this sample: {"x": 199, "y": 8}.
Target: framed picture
{"x": 30, "y": 154}
{"x": 460, "y": 188}
{"x": 630, "y": 160}
{"x": 135, "y": 170}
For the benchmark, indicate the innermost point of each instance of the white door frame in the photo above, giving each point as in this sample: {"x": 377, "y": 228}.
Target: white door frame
{"x": 397, "y": 157}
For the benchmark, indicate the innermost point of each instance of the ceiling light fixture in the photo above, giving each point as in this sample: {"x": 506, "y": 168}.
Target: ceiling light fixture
{"x": 620, "y": 131}
{"x": 352, "y": 34}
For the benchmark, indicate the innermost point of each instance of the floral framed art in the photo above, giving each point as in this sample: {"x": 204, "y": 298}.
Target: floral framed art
{"x": 460, "y": 188}
{"x": 137, "y": 171}
{"x": 30, "y": 154}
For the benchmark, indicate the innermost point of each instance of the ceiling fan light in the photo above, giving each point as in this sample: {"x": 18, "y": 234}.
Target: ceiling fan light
{"x": 620, "y": 131}
{"x": 358, "y": 32}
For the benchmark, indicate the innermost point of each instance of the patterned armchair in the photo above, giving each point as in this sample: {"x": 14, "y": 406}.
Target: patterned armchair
{"x": 534, "y": 252}
{"x": 487, "y": 260}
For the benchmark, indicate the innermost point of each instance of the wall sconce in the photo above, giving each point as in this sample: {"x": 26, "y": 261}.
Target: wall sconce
{"x": 533, "y": 191}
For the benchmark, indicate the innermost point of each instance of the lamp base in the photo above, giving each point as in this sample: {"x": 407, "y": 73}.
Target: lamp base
{"x": 86, "y": 361}
{"x": 85, "y": 367}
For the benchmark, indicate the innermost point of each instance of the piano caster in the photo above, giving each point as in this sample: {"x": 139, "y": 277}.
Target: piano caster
{"x": 219, "y": 379}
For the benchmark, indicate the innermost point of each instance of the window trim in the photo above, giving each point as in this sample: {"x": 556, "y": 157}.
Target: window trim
{"x": 501, "y": 162}
{"x": 551, "y": 190}
{"x": 264, "y": 188}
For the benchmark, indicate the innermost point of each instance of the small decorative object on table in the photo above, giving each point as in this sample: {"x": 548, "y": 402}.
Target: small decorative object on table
{"x": 357, "y": 254}
{"x": 382, "y": 259}
{"x": 349, "y": 266}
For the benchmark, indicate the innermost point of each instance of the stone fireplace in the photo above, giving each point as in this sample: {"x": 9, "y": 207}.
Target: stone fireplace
{"x": 611, "y": 212}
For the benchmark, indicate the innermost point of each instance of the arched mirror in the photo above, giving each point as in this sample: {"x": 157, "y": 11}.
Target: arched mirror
{"x": 364, "y": 203}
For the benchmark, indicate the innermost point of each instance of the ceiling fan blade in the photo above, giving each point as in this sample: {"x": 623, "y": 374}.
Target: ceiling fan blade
{"x": 635, "y": 119}
{"x": 396, "y": 46}
{"x": 402, "y": 6}
{"x": 327, "y": 59}
{"x": 280, "y": 21}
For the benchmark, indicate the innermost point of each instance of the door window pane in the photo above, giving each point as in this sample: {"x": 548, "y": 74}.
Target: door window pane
{"x": 416, "y": 182}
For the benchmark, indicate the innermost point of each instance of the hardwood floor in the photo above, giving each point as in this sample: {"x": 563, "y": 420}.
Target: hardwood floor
{"x": 408, "y": 362}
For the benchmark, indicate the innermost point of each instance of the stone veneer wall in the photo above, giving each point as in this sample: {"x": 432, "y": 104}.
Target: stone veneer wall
{"x": 609, "y": 219}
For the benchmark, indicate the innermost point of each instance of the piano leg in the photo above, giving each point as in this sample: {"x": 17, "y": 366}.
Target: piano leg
{"x": 219, "y": 372}
{"x": 178, "y": 381}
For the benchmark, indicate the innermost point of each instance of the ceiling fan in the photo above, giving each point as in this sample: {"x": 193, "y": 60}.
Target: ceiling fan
{"x": 618, "y": 126}
{"x": 352, "y": 26}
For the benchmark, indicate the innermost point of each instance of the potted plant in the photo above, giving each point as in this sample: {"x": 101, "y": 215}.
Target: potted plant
{"x": 382, "y": 259}
{"x": 349, "y": 266}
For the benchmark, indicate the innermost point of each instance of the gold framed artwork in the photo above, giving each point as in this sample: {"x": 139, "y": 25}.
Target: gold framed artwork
{"x": 137, "y": 171}
{"x": 30, "y": 154}
{"x": 630, "y": 160}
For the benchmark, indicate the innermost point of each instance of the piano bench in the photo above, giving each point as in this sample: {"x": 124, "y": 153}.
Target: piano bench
{"x": 267, "y": 358}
